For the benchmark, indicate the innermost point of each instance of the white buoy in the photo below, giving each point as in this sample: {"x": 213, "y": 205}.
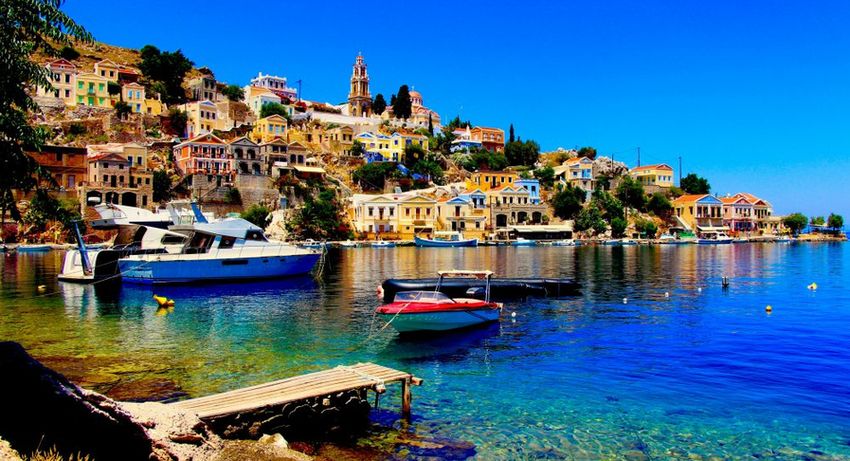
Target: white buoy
{"x": 625, "y": 300}
{"x": 666, "y": 294}
{"x": 699, "y": 290}
{"x": 513, "y": 314}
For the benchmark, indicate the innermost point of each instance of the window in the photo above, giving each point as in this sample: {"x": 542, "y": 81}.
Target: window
{"x": 392, "y": 211}
{"x": 371, "y": 211}
{"x": 100, "y": 87}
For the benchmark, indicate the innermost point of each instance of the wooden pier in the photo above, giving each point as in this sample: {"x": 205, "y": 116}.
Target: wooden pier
{"x": 312, "y": 385}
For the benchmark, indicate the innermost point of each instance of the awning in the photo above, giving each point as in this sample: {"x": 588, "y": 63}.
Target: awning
{"x": 543, "y": 228}
{"x": 309, "y": 169}
{"x": 712, "y": 229}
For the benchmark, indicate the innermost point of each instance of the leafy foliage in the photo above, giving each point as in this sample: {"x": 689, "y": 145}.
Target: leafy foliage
{"x": 618, "y": 226}
{"x": 402, "y": 107}
{"x": 372, "y": 176}
{"x": 233, "y": 92}
{"x": 430, "y": 166}
{"x": 168, "y": 68}
{"x": 481, "y": 159}
{"x": 43, "y": 208}
{"x": 232, "y": 195}
{"x": 568, "y": 201}
{"x": 590, "y": 219}
{"x": 835, "y": 221}
{"x": 161, "y": 186}
{"x": 646, "y": 227}
{"x": 379, "y": 104}
{"x": 178, "y": 120}
{"x": 522, "y": 152}
{"x": 69, "y": 53}
{"x": 795, "y": 222}
{"x": 611, "y": 207}
{"x": 545, "y": 175}
{"x": 511, "y": 136}
{"x": 818, "y": 221}
{"x": 26, "y": 26}
{"x": 587, "y": 151}
{"x": 358, "y": 149}
{"x": 122, "y": 109}
{"x": 256, "y": 215}
{"x": 320, "y": 218}
{"x": 413, "y": 154}
{"x": 274, "y": 108}
{"x": 693, "y": 184}
{"x": 630, "y": 192}
{"x": 659, "y": 205}
{"x": 113, "y": 88}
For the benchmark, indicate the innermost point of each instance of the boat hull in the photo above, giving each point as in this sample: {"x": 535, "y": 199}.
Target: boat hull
{"x": 152, "y": 271}
{"x": 713, "y": 242}
{"x": 34, "y": 248}
{"x": 440, "y": 320}
{"x": 422, "y": 242}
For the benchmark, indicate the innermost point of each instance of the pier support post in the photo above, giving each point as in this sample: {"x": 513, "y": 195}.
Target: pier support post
{"x": 405, "y": 399}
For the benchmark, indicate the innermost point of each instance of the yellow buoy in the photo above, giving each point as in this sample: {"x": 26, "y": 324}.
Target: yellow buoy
{"x": 163, "y": 301}
{"x": 160, "y": 312}
{"x": 769, "y": 308}
{"x": 813, "y": 286}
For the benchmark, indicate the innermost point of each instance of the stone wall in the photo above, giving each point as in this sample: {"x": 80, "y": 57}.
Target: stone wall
{"x": 256, "y": 189}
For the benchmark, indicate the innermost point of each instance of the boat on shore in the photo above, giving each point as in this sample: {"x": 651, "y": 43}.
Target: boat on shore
{"x": 445, "y": 239}
{"x": 310, "y": 243}
{"x": 619, "y": 242}
{"x": 348, "y": 244}
{"x": 423, "y": 311}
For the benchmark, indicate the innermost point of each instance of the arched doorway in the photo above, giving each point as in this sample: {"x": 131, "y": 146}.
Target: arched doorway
{"x": 128, "y": 198}
{"x": 111, "y": 197}
{"x": 243, "y": 167}
{"x": 522, "y": 217}
{"x": 94, "y": 197}
{"x": 536, "y": 217}
{"x": 501, "y": 220}
{"x": 255, "y": 167}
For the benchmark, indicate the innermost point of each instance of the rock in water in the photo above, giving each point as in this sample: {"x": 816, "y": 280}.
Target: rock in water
{"x": 41, "y": 408}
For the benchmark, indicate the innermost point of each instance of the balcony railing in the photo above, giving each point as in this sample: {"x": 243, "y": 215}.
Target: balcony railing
{"x": 109, "y": 184}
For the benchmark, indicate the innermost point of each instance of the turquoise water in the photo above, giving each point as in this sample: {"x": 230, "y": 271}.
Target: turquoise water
{"x": 705, "y": 373}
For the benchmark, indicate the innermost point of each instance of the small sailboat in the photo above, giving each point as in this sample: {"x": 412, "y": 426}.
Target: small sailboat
{"x": 419, "y": 311}
{"x": 445, "y": 239}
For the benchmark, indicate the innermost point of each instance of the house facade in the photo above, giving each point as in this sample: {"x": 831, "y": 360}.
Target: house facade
{"x": 700, "y": 213}
{"x": 206, "y": 159}
{"x": 738, "y": 214}
{"x": 134, "y": 96}
{"x": 577, "y": 172}
{"x": 275, "y": 84}
{"x": 763, "y": 218}
{"x": 246, "y": 156}
{"x": 92, "y": 90}
{"x": 492, "y": 139}
{"x": 511, "y": 205}
{"x": 203, "y": 88}
{"x": 654, "y": 178}
{"x": 486, "y": 180}
{"x": 66, "y": 165}
{"x": 257, "y": 97}
{"x": 63, "y": 77}
{"x": 107, "y": 69}
{"x": 118, "y": 173}
{"x": 202, "y": 118}
{"x": 269, "y": 128}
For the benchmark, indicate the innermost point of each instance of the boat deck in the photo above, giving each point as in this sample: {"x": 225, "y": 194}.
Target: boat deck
{"x": 334, "y": 380}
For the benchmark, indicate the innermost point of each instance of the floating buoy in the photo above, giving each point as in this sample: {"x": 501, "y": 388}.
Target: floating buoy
{"x": 813, "y": 286}
{"x": 163, "y": 301}
{"x": 666, "y": 294}
{"x": 769, "y": 308}
{"x": 699, "y": 289}
{"x": 513, "y": 314}
{"x": 42, "y": 288}
{"x": 161, "y": 312}
{"x": 625, "y": 300}
{"x": 725, "y": 282}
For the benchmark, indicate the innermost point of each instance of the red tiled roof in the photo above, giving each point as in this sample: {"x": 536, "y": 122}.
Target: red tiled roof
{"x": 659, "y": 166}
{"x": 689, "y": 198}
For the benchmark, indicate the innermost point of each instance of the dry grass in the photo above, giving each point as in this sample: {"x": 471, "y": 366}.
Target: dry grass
{"x": 53, "y": 455}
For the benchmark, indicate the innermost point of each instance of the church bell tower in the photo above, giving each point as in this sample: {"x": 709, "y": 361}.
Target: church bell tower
{"x": 359, "y": 99}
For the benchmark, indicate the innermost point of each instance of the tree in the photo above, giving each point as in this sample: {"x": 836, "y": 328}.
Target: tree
{"x": 69, "y": 53}
{"x": 168, "y": 68}
{"x": 379, "y": 104}
{"x": 587, "y": 151}
{"x": 26, "y": 27}
{"x": 511, "y": 137}
{"x": 113, "y": 88}
{"x": 659, "y": 205}
{"x": 274, "y": 108}
{"x": 357, "y": 149}
{"x": 402, "y": 107}
{"x": 161, "y": 186}
{"x": 646, "y": 227}
{"x": 372, "y": 176}
{"x": 429, "y": 166}
{"x": 818, "y": 221}
{"x": 232, "y": 195}
{"x": 590, "y": 218}
{"x": 430, "y": 125}
{"x": 233, "y": 93}
{"x": 618, "y": 227}
{"x": 568, "y": 201}
{"x": 320, "y": 218}
{"x": 835, "y": 222}
{"x": 522, "y": 152}
{"x": 122, "y": 109}
{"x": 545, "y": 175}
{"x": 393, "y": 100}
{"x": 693, "y": 184}
{"x": 612, "y": 207}
{"x": 630, "y": 192}
{"x": 178, "y": 120}
{"x": 413, "y": 154}
{"x": 256, "y": 215}
{"x": 795, "y": 222}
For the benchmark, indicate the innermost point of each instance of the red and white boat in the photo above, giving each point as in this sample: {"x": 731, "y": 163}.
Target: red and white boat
{"x": 413, "y": 311}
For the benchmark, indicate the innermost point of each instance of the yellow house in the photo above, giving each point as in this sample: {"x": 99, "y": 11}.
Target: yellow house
{"x": 107, "y": 69}
{"x": 378, "y": 147}
{"x": 577, "y": 172}
{"x": 374, "y": 215}
{"x": 266, "y": 129}
{"x": 417, "y": 214}
{"x": 134, "y": 96}
{"x": 92, "y": 90}
{"x": 154, "y": 106}
{"x": 467, "y": 213}
{"x": 63, "y": 77}
{"x": 202, "y": 118}
{"x": 660, "y": 175}
{"x": 486, "y": 180}
{"x": 699, "y": 213}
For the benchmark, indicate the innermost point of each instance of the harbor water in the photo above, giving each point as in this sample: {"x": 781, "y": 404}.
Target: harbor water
{"x": 653, "y": 360}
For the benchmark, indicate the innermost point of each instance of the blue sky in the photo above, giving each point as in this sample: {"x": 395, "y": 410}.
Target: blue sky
{"x": 753, "y": 95}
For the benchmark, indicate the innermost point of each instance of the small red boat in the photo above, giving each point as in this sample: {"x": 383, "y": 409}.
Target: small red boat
{"x": 434, "y": 311}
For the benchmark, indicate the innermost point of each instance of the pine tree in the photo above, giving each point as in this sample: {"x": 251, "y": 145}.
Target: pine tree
{"x": 430, "y": 125}
{"x": 511, "y": 137}
{"x": 402, "y": 107}
{"x": 379, "y": 104}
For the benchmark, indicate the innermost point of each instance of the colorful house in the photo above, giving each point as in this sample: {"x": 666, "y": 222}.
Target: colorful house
{"x": 269, "y": 128}
{"x": 700, "y": 213}
{"x": 532, "y": 186}
{"x": 247, "y": 159}
{"x": 653, "y": 176}
{"x": 202, "y": 118}
{"x": 204, "y": 155}
{"x": 154, "y": 106}
{"x": 374, "y": 215}
{"x": 463, "y": 140}
{"x": 379, "y": 147}
{"x": 492, "y": 139}
{"x": 92, "y": 90}
{"x": 274, "y": 152}
{"x": 464, "y": 213}
{"x": 577, "y": 172}
{"x": 63, "y": 78}
{"x": 107, "y": 69}
{"x": 512, "y": 205}
{"x": 134, "y": 96}
{"x": 118, "y": 173}
{"x": 762, "y": 214}
{"x": 257, "y": 97}
{"x": 417, "y": 214}
{"x": 486, "y": 180}
{"x": 738, "y": 214}
{"x": 203, "y": 88}
{"x": 276, "y": 85}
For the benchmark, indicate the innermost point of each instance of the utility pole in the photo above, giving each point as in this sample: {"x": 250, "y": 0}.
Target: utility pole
{"x": 638, "y": 156}
{"x": 680, "y": 171}
{"x": 299, "y": 90}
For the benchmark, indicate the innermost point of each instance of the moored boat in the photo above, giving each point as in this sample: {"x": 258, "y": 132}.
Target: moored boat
{"x": 565, "y": 243}
{"x": 714, "y": 238}
{"x": 522, "y": 242}
{"x": 347, "y": 244}
{"x": 418, "y": 311}
{"x": 34, "y": 248}
{"x": 382, "y": 244}
{"x": 445, "y": 239}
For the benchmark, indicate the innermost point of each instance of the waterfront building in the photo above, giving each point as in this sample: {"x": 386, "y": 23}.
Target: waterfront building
{"x": 532, "y": 185}
{"x": 374, "y": 215}
{"x": 467, "y": 213}
{"x": 359, "y": 98}
{"x": 511, "y": 205}
{"x": 738, "y": 214}
{"x": 206, "y": 159}
{"x": 118, "y": 173}
{"x": 92, "y": 90}
{"x": 63, "y": 78}
{"x": 654, "y": 178}
{"x": 699, "y": 212}
{"x": 275, "y": 84}
{"x": 577, "y": 172}
{"x": 65, "y": 165}
{"x": 762, "y": 214}
{"x": 203, "y": 88}
{"x": 246, "y": 156}
{"x": 269, "y": 128}
{"x": 134, "y": 96}
{"x": 486, "y": 180}
{"x": 107, "y": 69}
{"x": 257, "y": 97}
{"x": 417, "y": 214}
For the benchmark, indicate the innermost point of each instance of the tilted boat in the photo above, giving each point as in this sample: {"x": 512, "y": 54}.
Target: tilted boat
{"x": 445, "y": 239}
{"x": 417, "y": 311}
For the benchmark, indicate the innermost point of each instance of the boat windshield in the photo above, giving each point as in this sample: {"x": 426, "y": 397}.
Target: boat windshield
{"x": 421, "y": 297}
